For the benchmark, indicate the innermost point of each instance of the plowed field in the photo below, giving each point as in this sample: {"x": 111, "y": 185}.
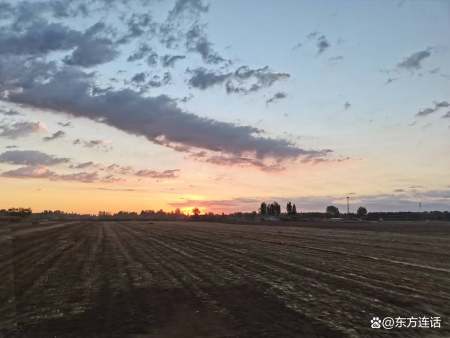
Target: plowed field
{"x": 188, "y": 279}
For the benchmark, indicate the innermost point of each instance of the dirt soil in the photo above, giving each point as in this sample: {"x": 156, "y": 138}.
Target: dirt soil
{"x": 188, "y": 279}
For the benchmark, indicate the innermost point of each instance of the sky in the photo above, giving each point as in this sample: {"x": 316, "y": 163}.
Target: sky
{"x": 136, "y": 105}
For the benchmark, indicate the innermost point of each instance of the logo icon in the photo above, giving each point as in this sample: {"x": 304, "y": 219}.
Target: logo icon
{"x": 375, "y": 323}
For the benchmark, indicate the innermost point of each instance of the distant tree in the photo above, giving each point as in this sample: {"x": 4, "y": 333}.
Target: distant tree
{"x": 289, "y": 208}
{"x": 263, "y": 208}
{"x": 294, "y": 210}
{"x": 196, "y": 211}
{"x": 274, "y": 209}
{"x": 177, "y": 211}
{"x": 362, "y": 212}
{"x": 332, "y": 211}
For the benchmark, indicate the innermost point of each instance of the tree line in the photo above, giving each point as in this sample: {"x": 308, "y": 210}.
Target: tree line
{"x": 274, "y": 209}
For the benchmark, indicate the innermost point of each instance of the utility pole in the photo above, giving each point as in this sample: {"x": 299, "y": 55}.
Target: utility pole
{"x": 348, "y": 206}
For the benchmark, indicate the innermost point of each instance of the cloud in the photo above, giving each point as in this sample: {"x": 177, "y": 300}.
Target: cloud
{"x": 429, "y": 111}
{"x": 20, "y": 129}
{"x": 55, "y": 136}
{"x": 39, "y": 171}
{"x": 83, "y": 165}
{"x": 65, "y": 124}
{"x": 196, "y": 41}
{"x": 203, "y": 79}
{"x": 157, "y": 118}
{"x": 390, "y": 80}
{"x": 157, "y": 81}
{"x": 347, "y": 105}
{"x": 10, "y": 112}
{"x": 336, "y": 59}
{"x": 42, "y": 37}
{"x": 39, "y": 38}
{"x": 322, "y": 44}
{"x": 190, "y": 7}
{"x": 139, "y": 25}
{"x": 414, "y": 61}
{"x": 30, "y": 158}
{"x": 92, "y": 52}
{"x": 101, "y": 144}
{"x": 144, "y": 51}
{"x": 239, "y": 161}
{"x": 170, "y": 60}
{"x": 278, "y": 96}
{"x": 29, "y": 172}
{"x": 172, "y": 173}
{"x": 139, "y": 77}
{"x": 243, "y": 80}
{"x": 447, "y": 115}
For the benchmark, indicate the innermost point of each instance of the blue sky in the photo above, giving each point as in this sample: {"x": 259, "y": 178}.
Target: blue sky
{"x": 339, "y": 97}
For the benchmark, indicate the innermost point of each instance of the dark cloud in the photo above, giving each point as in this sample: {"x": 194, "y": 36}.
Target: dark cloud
{"x": 244, "y": 80}
{"x": 276, "y": 97}
{"x": 189, "y": 7}
{"x": 172, "y": 173}
{"x": 139, "y": 81}
{"x": 322, "y": 44}
{"x": 11, "y": 147}
{"x": 197, "y": 41}
{"x": 347, "y": 105}
{"x": 20, "y": 129}
{"x": 157, "y": 118}
{"x": 139, "y": 25}
{"x": 447, "y": 115}
{"x": 39, "y": 38}
{"x": 139, "y": 77}
{"x": 30, "y": 158}
{"x": 414, "y": 61}
{"x": 22, "y": 72}
{"x": 158, "y": 81}
{"x": 144, "y": 51}
{"x": 203, "y": 78}
{"x": 429, "y": 111}
{"x": 92, "y": 52}
{"x": 54, "y": 136}
{"x": 170, "y": 60}
{"x": 42, "y": 37}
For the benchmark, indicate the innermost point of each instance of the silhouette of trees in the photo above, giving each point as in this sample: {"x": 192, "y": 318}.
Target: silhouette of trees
{"x": 332, "y": 211}
{"x": 263, "y": 208}
{"x": 361, "y": 212}
{"x": 19, "y": 212}
{"x": 274, "y": 209}
{"x": 291, "y": 209}
{"x": 196, "y": 211}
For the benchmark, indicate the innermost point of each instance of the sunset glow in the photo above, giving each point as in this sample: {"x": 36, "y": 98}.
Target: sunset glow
{"x": 155, "y": 105}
